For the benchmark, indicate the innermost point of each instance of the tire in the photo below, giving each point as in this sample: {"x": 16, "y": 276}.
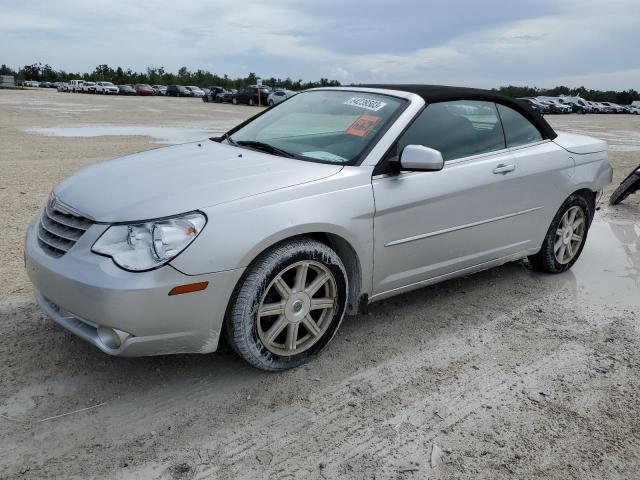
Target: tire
{"x": 556, "y": 260}
{"x": 625, "y": 189}
{"x": 265, "y": 341}
{"x": 271, "y": 103}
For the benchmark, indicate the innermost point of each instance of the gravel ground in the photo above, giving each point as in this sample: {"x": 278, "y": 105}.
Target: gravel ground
{"x": 503, "y": 374}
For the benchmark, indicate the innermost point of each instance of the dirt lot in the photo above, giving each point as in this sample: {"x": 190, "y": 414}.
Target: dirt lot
{"x": 504, "y": 374}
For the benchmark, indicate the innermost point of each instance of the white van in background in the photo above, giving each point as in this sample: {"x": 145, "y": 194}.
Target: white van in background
{"x": 75, "y": 85}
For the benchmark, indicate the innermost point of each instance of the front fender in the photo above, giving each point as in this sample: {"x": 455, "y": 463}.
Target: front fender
{"x": 239, "y": 231}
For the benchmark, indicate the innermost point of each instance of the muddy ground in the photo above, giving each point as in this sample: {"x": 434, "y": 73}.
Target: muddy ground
{"x": 504, "y": 374}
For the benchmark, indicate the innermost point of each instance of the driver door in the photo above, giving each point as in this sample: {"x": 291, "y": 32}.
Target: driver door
{"x": 430, "y": 224}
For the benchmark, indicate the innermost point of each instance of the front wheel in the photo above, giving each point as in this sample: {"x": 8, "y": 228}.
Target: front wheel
{"x": 288, "y": 306}
{"x": 565, "y": 238}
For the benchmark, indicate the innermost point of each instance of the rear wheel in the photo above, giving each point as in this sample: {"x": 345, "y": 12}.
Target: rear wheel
{"x": 288, "y": 306}
{"x": 565, "y": 238}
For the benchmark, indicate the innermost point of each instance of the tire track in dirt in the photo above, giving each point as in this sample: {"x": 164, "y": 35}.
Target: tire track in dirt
{"x": 339, "y": 416}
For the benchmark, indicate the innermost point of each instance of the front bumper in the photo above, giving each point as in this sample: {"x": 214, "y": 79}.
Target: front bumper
{"x": 83, "y": 291}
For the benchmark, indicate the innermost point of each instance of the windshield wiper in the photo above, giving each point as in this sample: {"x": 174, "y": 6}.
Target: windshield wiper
{"x": 265, "y": 147}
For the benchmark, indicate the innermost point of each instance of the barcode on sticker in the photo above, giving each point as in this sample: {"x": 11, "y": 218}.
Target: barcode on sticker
{"x": 368, "y": 103}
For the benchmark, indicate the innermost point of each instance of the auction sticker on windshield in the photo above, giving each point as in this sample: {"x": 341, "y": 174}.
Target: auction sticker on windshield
{"x": 363, "y": 125}
{"x": 368, "y": 103}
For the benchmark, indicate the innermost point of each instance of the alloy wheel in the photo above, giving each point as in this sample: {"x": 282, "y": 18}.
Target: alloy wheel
{"x": 569, "y": 235}
{"x": 297, "y": 308}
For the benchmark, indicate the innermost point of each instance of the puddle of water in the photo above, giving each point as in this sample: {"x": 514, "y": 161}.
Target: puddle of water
{"x": 608, "y": 271}
{"x": 165, "y": 135}
{"x": 47, "y": 105}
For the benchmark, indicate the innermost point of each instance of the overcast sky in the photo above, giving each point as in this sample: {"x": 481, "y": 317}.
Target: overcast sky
{"x": 458, "y": 42}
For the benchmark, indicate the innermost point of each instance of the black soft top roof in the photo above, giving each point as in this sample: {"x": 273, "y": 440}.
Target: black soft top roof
{"x": 441, "y": 93}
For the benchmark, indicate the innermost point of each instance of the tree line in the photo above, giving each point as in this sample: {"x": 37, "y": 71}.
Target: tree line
{"x": 202, "y": 78}
{"x": 157, "y": 76}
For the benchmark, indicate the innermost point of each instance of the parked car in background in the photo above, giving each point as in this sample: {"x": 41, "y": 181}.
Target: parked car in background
{"x": 210, "y": 95}
{"x": 159, "y": 89}
{"x": 596, "y": 107}
{"x": 106, "y": 88}
{"x": 144, "y": 89}
{"x": 165, "y": 251}
{"x": 126, "y": 90}
{"x": 252, "y": 95}
{"x": 178, "y": 91}
{"x": 577, "y": 105}
{"x": 536, "y": 105}
{"x": 44, "y": 85}
{"x": 88, "y": 87}
{"x": 277, "y": 96}
{"x": 226, "y": 96}
{"x": 197, "y": 91}
{"x": 63, "y": 87}
{"x": 555, "y": 104}
{"x": 615, "y": 108}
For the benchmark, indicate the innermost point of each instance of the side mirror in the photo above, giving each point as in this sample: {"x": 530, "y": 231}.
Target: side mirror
{"x": 421, "y": 158}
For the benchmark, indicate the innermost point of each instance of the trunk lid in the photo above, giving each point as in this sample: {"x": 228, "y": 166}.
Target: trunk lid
{"x": 580, "y": 144}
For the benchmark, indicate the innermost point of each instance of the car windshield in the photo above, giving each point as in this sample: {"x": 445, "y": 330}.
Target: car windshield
{"x": 107, "y": 84}
{"x": 328, "y": 126}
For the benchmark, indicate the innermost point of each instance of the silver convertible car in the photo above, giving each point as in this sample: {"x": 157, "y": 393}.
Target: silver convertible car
{"x": 268, "y": 235}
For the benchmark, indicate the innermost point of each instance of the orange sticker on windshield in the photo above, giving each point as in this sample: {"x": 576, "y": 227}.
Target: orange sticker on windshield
{"x": 363, "y": 125}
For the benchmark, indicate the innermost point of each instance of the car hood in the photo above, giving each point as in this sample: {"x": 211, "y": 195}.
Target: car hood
{"x": 173, "y": 180}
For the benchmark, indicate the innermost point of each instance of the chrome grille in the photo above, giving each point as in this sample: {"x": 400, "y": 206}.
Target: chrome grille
{"x": 59, "y": 231}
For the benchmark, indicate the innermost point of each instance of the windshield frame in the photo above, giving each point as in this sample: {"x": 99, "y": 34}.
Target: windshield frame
{"x": 404, "y": 104}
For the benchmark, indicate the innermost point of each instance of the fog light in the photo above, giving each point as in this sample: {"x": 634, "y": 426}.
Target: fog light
{"x": 109, "y": 337}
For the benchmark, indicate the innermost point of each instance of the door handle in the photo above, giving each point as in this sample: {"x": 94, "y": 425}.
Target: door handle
{"x": 502, "y": 168}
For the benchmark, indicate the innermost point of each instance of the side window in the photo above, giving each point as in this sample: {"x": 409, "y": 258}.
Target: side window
{"x": 457, "y": 129}
{"x": 517, "y": 129}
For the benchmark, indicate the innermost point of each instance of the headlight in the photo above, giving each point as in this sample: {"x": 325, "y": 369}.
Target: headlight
{"x": 143, "y": 246}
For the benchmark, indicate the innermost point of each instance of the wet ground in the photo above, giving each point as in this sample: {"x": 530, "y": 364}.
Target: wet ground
{"x": 505, "y": 374}
{"x": 167, "y": 135}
